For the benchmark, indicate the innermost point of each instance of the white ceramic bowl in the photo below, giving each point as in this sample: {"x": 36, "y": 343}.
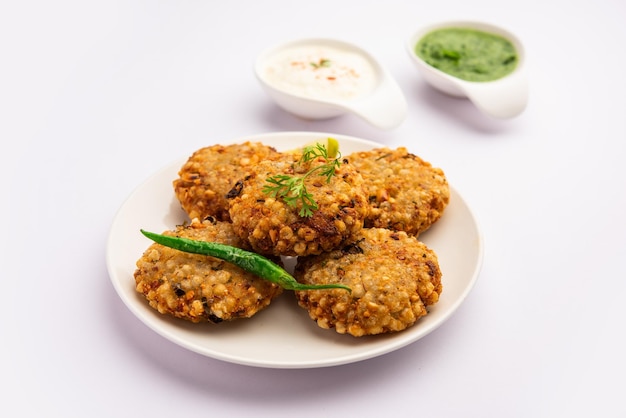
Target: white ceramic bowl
{"x": 384, "y": 106}
{"x": 503, "y": 98}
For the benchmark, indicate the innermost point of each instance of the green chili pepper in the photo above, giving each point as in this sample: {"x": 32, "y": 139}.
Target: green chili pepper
{"x": 247, "y": 260}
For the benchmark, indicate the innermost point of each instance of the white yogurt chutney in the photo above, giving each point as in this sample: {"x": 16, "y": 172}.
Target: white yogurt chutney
{"x": 321, "y": 72}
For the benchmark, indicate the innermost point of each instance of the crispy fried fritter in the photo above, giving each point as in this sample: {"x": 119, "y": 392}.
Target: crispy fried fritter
{"x": 405, "y": 193}
{"x": 271, "y": 226}
{"x": 200, "y": 288}
{"x": 211, "y": 172}
{"x": 393, "y": 277}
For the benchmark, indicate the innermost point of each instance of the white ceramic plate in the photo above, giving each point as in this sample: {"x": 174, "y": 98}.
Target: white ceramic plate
{"x": 283, "y": 336}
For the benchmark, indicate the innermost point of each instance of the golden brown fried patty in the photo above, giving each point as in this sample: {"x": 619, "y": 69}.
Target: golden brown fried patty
{"x": 393, "y": 277}
{"x": 211, "y": 172}
{"x": 200, "y": 288}
{"x": 405, "y": 193}
{"x": 271, "y": 226}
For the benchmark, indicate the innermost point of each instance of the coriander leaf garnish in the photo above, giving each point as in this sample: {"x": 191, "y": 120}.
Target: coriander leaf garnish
{"x": 292, "y": 189}
{"x": 323, "y": 62}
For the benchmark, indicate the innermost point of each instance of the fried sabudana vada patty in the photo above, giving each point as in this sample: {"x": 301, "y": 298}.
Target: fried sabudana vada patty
{"x": 201, "y": 288}
{"x": 271, "y": 226}
{"x": 393, "y": 277}
{"x": 211, "y": 172}
{"x": 405, "y": 193}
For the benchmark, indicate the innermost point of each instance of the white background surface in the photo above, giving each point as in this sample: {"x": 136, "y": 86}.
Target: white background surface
{"x": 96, "y": 96}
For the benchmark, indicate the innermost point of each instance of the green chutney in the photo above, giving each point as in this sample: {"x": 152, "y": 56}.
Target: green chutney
{"x": 468, "y": 54}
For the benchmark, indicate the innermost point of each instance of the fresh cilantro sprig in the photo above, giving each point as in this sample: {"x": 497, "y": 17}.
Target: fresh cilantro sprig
{"x": 323, "y": 62}
{"x": 292, "y": 189}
